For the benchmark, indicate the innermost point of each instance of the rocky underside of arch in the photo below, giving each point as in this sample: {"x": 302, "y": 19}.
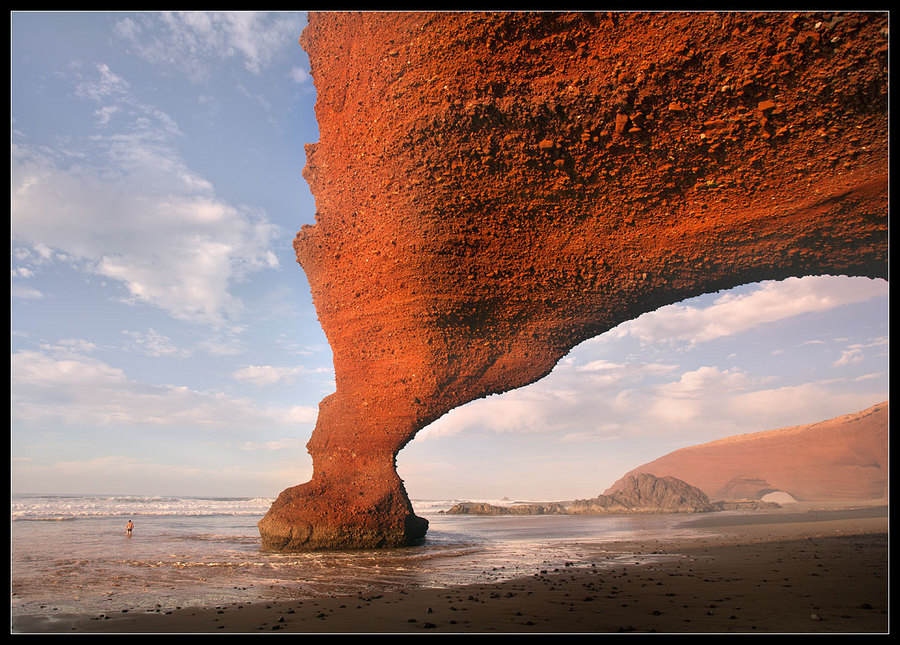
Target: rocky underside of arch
{"x": 494, "y": 188}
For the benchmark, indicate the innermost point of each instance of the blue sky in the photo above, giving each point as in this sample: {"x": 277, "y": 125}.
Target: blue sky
{"x": 164, "y": 340}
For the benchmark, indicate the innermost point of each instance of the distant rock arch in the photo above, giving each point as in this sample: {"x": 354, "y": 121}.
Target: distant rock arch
{"x": 494, "y": 188}
{"x": 779, "y": 497}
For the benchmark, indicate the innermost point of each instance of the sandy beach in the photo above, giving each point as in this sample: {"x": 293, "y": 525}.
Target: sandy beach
{"x": 802, "y": 569}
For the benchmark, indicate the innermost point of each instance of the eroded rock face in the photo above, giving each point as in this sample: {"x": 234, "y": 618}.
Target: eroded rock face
{"x": 495, "y": 188}
{"x": 839, "y": 459}
{"x": 646, "y": 493}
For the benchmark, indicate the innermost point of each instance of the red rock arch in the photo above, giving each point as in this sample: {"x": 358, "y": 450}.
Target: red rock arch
{"x": 494, "y": 188}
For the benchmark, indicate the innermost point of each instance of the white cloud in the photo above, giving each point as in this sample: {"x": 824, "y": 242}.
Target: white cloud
{"x": 69, "y": 347}
{"x": 25, "y": 293}
{"x": 195, "y": 43}
{"x": 106, "y": 86}
{"x": 704, "y": 380}
{"x": 60, "y": 385}
{"x": 300, "y": 414}
{"x": 598, "y": 366}
{"x": 226, "y": 344}
{"x": 43, "y": 251}
{"x": 602, "y": 373}
{"x": 799, "y": 404}
{"x": 856, "y": 353}
{"x": 684, "y": 401}
{"x": 498, "y": 414}
{"x": 274, "y": 445}
{"x": 300, "y": 76}
{"x": 733, "y": 313}
{"x": 849, "y": 356}
{"x": 263, "y": 375}
{"x": 575, "y": 398}
{"x": 610, "y": 400}
{"x": 266, "y": 375}
{"x": 154, "y": 343}
{"x": 138, "y": 214}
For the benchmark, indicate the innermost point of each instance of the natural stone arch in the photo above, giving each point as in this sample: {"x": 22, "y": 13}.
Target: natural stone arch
{"x": 494, "y": 188}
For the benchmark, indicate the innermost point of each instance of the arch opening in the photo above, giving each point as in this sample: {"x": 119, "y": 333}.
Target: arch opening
{"x": 747, "y": 360}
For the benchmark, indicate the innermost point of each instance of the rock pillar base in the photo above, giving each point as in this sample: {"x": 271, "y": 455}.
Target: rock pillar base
{"x": 349, "y": 514}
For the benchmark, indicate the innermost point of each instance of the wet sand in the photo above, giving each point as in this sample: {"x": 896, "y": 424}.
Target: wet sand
{"x": 797, "y": 570}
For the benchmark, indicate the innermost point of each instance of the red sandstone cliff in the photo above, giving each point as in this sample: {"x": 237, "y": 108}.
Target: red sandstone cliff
{"x": 494, "y": 188}
{"x": 841, "y": 459}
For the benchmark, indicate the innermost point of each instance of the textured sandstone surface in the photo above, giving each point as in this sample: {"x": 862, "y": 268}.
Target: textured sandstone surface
{"x": 841, "y": 459}
{"x": 494, "y": 188}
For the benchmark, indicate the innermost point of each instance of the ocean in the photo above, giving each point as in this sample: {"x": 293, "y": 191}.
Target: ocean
{"x": 70, "y": 553}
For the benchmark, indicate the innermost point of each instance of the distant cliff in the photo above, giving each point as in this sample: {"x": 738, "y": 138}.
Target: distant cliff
{"x": 641, "y": 493}
{"x": 841, "y": 459}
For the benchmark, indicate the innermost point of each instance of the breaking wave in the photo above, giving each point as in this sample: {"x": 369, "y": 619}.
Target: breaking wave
{"x": 67, "y": 507}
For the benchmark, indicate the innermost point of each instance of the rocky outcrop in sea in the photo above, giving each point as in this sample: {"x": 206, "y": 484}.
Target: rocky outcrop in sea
{"x": 640, "y": 493}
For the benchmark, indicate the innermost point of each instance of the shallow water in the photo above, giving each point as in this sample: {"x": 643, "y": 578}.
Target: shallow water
{"x": 71, "y": 554}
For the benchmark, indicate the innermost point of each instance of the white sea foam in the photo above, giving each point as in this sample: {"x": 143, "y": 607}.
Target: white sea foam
{"x": 65, "y": 507}
{"x": 62, "y": 507}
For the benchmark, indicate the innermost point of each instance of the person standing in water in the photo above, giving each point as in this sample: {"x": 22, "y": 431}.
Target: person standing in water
{"x": 128, "y": 528}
